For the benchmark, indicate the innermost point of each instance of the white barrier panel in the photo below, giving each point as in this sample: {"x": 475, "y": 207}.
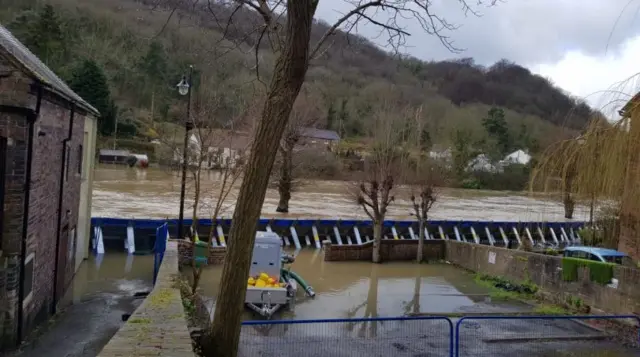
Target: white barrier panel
{"x": 131, "y": 241}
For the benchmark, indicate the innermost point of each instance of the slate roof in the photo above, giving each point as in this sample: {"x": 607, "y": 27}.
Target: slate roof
{"x": 21, "y": 56}
{"x": 320, "y": 134}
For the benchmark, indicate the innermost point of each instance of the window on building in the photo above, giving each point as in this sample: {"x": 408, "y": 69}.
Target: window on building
{"x": 3, "y": 169}
{"x": 72, "y": 243}
{"x": 80, "y": 159}
{"x": 28, "y": 278}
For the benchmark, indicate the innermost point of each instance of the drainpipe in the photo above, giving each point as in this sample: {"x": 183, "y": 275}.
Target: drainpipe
{"x": 25, "y": 217}
{"x": 60, "y": 194}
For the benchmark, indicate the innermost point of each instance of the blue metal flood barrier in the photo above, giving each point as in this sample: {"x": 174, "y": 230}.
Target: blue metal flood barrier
{"x": 380, "y": 336}
{"x": 159, "y": 249}
{"x": 541, "y": 335}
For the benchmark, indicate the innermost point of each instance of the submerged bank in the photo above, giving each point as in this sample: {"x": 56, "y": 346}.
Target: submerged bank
{"x": 362, "y": 289}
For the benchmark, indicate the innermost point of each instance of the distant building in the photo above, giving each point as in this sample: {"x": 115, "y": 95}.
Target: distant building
{"x": 47, "y": 144}
{"x": 319, "y": 138}
{"x": 215, "y": 148}
{"x": 482, "y": 163}
{"x": 517, "y": 157}
{"x": 107, "y": 156}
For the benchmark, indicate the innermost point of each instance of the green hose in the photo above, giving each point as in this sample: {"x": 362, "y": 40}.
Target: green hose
{"x": 292, "y": 275}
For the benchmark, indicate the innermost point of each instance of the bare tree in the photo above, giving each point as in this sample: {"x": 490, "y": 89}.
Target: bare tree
{"x": 383, "y": 170}
{"x": 287, "y": 25}
{"x": 305, "y": 114}
{"x": 424, "y": 194}
{"x": 425, "y": 178}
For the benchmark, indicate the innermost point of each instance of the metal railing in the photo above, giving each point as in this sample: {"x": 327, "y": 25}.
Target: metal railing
{"x": 548, "y": 335}
{"x": 385, "y": 336}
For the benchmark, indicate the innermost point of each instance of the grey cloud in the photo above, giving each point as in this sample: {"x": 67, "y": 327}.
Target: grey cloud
{"x": 527, "y": 31}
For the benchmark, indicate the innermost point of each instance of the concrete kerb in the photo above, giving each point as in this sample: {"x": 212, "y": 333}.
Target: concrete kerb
{"x": 158, "y": 327}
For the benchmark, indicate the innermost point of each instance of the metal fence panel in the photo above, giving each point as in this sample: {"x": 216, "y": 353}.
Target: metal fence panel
{"x": 159, "y": 249}
{"x": 368, "y": 337}
{"x": 521, "y": 336}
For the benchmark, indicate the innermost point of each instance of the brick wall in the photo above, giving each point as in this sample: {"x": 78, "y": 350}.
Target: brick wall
{"x": 51, "y": 128}
{"x": 158, "y": 327}
{"x": 546, "y": 272}
{"x": 185, "y": 249}
{"x": 13, "y": 127}
{"x": 390, "y": 250}
{"x": 53, "y": 122}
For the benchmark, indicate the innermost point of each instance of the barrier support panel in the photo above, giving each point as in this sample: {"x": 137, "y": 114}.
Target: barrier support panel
{"x": 546, "y": 335}
{"x": 382, "y": 336}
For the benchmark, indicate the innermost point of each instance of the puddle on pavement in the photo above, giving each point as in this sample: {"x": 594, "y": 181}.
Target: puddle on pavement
{"x": 362, "y": 289}
{"x": 154, "y": 193}
{"x": 91, "y": 311}
{"x": 112, "y": 274}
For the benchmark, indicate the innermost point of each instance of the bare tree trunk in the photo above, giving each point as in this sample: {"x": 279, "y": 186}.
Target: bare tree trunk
{"x": 285, "y": 180}
{"x": 290, "y": 69}
{"x": 568, "y": 201}
{"x": 377, "y": 240}
{"x": 419, "y": 256}
{"x": 196, "y": 199}
{"x": 569, "y": 205}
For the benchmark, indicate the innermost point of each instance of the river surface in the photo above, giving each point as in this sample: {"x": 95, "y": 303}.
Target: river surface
{"x": 121, "y": 191}
{"x": 92, "y": 308}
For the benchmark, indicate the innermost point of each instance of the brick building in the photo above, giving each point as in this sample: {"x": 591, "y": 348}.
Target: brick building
{"x": 42, "y": 145}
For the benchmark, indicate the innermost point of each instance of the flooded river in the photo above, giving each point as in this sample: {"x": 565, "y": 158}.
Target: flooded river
{"x": 362, "y": 289}
{"x": 155, "y": 193}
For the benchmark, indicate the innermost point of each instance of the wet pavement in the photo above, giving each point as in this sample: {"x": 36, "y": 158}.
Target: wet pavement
{"x": 154, "y": 193}
{"x": 102, "y": 291}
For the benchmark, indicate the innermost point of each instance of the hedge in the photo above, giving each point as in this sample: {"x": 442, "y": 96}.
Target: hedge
{"x": 598, "y": 272}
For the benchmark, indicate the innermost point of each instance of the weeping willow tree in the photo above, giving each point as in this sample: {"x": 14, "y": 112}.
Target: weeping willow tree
{"x": 599, "y": 168}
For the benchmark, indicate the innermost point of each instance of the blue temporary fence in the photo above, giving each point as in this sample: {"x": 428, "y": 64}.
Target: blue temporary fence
{"x": 548, "y": 335}
{"x": 436, "y": 336}
{"x": 159, "y": 249}
{"x": 386, "y": 336}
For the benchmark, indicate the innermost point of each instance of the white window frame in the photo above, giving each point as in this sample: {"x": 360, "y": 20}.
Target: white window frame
{"x": 71, "y": 242}
{"x": 30, "y": 257}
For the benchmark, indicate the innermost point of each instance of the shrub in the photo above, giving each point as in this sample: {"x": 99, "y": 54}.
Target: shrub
{"x": 598, "y": 272}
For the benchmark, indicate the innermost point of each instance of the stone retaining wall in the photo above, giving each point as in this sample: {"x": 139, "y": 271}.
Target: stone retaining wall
{"x": 185, "y": 252}
{"x": 158, "y": 327}
{"x": 546, "y": 272}
{"x": 390, "y": 250}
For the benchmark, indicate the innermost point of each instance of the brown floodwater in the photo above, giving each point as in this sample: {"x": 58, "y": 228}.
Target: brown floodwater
{"x": 121, "y": 191}
{"x": 362, "y": 289}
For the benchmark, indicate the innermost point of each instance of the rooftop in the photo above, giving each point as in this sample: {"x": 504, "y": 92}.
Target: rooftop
{"x": 320, "y": 134}
{"x": 20, "y": 55}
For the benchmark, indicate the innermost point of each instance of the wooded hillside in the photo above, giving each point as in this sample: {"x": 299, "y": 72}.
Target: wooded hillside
{"x": 142, "y": 57}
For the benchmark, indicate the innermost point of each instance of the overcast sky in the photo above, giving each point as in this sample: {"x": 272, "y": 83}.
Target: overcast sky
{"x": 583, "y": 46}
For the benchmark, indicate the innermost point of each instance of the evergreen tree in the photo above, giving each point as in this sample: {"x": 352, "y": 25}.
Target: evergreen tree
{"x": 496, "y": 127}
{"x": 45, "y": 38}
{"x": 153, "y": 66}
{"x": 89, "y": 82}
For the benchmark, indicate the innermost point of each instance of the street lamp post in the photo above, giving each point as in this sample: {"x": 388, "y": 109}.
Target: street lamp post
{"x": 184, "y": 88}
